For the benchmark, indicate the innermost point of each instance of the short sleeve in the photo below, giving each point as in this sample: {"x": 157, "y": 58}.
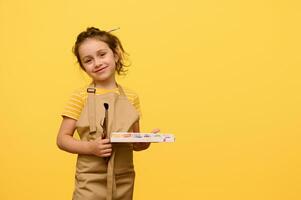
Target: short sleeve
{"x": 74, "y": 105}
{"x": 134, "y": 99}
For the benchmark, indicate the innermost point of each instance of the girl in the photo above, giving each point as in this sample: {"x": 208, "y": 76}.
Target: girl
{"x": 103, "y": 170}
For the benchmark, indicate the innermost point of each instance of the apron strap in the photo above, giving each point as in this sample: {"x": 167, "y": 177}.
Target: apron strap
{"x": 111, "y": 184}
{"x": 91, "y": 108}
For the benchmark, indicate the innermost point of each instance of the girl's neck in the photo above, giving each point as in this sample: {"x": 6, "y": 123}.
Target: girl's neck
{"x": 107, "y": 84}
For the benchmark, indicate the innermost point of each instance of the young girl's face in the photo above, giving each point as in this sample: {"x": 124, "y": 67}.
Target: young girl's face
{"x": 98, "y": 60}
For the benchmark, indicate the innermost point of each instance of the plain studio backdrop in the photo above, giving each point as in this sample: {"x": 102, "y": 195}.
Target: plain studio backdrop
{"x": 222, "y": 75}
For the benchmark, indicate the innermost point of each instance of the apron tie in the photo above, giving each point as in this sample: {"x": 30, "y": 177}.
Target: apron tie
{"x": 111, "y": 183}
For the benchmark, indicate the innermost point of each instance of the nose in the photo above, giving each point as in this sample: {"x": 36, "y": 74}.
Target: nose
{"x": 98, "y": 62}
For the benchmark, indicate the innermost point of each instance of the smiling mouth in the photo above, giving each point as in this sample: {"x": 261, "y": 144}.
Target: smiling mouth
{"x": 99, "y": 70}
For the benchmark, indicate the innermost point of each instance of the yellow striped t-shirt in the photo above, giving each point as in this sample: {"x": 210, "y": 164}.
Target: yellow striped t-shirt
{"x": 78, "y": 99}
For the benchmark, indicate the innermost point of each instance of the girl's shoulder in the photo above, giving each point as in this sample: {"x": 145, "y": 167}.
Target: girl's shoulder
{"x": 81, "y": 93}
{"x": 80, "y": 90}
{"x": 75, "y": 104}
{"x": 129, "y": 91}
{"x": 131, "y": 94}
{"x": 133, "y": 98}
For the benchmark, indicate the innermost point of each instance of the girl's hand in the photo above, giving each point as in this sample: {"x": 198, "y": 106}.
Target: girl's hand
{"x": 101, "y": 147}
{"x": 139, "y": 146}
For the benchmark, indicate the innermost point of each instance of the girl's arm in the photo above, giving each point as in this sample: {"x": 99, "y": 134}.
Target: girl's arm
{"x": 65, "y": 141}
{"x": 139, "y": 146}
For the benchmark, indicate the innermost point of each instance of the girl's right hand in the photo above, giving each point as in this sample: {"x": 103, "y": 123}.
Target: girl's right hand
{"x": 101, "y": 147}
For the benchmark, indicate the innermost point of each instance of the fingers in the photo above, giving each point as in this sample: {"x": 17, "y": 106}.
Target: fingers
{"x": 156, "y": 130}
{"x": 103, "y": 141}
{"x": 106, "y": 153}
{"x": 102, "y": 148}
{"x": 105, "y": 146}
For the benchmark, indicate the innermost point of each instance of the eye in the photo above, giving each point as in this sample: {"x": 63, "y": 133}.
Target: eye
{"x": 102, "y": 54}
{"x": 87, "y": 61}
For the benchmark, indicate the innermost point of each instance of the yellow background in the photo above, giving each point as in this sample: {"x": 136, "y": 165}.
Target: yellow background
{"x": 222, "y": 75}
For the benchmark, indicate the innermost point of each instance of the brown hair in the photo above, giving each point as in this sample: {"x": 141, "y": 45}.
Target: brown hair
{"x": 111, "y": 40}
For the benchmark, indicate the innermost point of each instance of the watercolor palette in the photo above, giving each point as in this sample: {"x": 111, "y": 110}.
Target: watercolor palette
{"x": 141, "y": 137}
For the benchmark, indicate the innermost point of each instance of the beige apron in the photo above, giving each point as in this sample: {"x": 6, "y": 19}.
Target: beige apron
{"x": 96, "y": 178}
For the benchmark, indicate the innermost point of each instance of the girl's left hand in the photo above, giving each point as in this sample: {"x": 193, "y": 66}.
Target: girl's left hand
{"x": 139, "y": 146}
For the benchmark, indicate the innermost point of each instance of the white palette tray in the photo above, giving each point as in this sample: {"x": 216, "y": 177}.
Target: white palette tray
{"x": 141, "y": 137}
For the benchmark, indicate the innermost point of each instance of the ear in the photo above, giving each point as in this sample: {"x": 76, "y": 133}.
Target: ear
{"x": 116, "y": 56}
